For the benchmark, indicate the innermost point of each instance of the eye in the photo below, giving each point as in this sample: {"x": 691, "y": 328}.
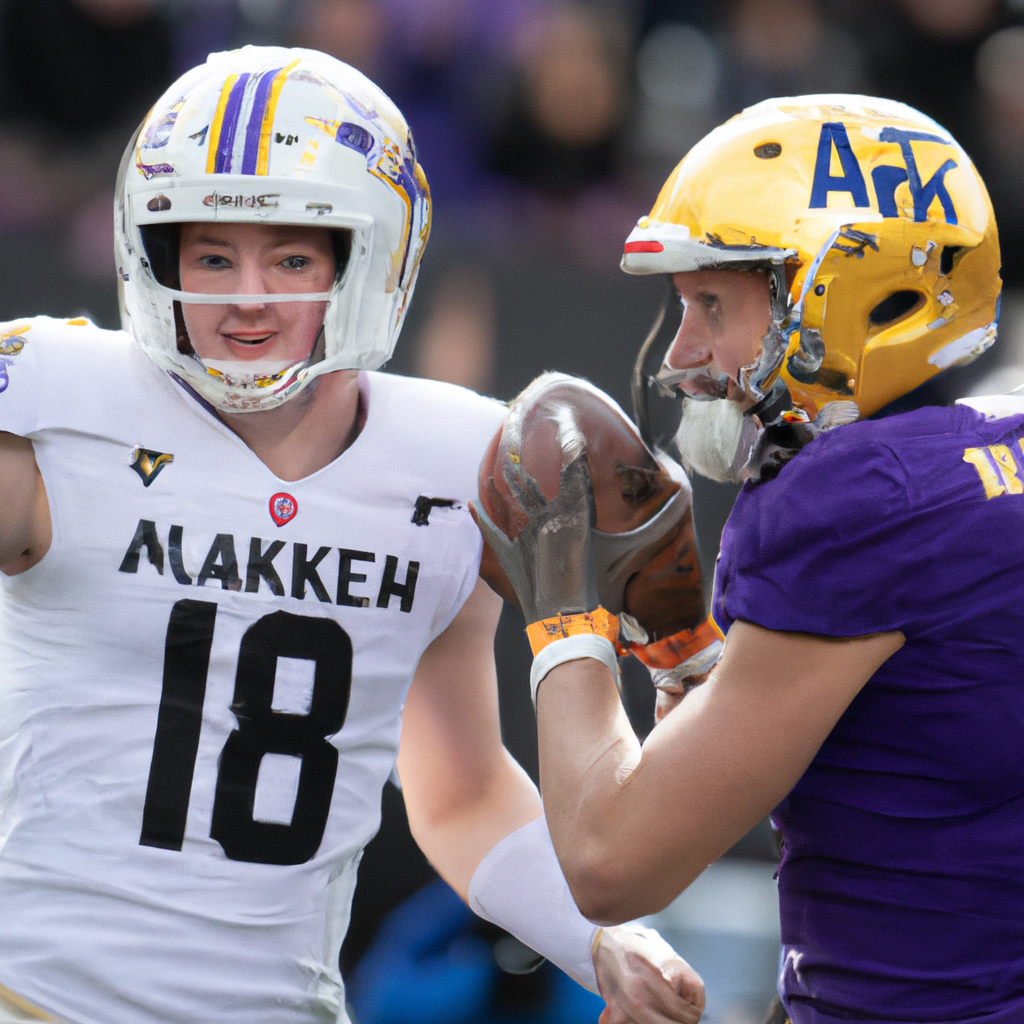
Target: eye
{"x": 295, "y": 262}
{"x": 708, "y": 300}
{"x": 216, "y": 262}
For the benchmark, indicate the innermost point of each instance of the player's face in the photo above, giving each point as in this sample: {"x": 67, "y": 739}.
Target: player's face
{"x": 726, "y": 313}
{"x": 255, "y": 259}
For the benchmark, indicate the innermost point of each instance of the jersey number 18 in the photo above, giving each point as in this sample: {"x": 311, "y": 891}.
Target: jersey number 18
{"x": 261, "y": 730}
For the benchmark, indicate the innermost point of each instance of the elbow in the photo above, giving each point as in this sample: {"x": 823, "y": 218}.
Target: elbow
{"x": 610, "y": 888}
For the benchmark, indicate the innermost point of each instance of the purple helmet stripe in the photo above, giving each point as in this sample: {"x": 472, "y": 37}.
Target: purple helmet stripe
{"x": 229, "y": 126}
{"x": 255, "y": 125}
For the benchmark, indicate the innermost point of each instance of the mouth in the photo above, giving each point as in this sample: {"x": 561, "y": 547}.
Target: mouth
{"x": 249, "y": 340}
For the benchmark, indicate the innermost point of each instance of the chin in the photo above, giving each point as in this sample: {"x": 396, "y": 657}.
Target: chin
{"x": 714, "y": 439}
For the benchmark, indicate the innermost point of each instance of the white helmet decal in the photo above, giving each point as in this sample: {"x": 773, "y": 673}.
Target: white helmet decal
{"x": 268, "y": 135}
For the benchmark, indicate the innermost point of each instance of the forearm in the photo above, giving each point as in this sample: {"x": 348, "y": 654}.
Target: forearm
{"x": 457, "y": 833}
{"x": 519, "y": 885}
{"x": 633, "y": 827}
{"x": 492, "y": 847}
{"x": 630, "y": 833}
{"x": 477, "y": 815}
{"x": 589, "y": 759}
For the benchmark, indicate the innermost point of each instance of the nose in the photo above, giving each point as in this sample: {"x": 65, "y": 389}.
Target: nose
{"x": 250, "y": 281}
{"x": 691, "y": 347}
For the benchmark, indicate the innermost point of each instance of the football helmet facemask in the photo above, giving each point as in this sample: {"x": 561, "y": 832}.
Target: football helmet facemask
{"x": 268, "y": 135}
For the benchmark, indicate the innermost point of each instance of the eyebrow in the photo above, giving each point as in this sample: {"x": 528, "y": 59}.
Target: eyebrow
{"x": 284, "y": 242}
{"x": 210, "y": 240}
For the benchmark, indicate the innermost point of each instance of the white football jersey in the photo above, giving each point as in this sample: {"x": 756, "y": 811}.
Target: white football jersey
{"x": 201, "y": 683}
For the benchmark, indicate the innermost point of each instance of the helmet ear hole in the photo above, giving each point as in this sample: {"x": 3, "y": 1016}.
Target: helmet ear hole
{"x": 893, "y": 308}
{"x": 947, "y": 258}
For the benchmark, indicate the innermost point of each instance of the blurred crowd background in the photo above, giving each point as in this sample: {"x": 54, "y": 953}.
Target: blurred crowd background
{"x": 546, "y": 128}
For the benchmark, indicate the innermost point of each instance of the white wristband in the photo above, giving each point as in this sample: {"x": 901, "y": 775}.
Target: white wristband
{"x": 572, "y": 648}
{"x": 519, "y": 886}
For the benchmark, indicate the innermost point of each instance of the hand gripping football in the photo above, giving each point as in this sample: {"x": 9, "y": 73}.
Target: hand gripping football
{"x": 641, "y": 542}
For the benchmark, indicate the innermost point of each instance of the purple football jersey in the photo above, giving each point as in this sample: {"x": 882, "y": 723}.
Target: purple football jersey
{"x": 901, "y": 885}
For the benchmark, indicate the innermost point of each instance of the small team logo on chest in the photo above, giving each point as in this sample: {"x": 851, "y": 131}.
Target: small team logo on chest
{"x": 148, "y": 463}
{"x": 283, "y": 508}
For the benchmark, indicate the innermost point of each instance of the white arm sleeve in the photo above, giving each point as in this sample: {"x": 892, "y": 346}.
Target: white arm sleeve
{"x": 519, "y": 886}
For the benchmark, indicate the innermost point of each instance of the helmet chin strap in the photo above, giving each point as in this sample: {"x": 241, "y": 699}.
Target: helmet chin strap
{"x": 770, "y": 409}
{"x": 784, "y": 437}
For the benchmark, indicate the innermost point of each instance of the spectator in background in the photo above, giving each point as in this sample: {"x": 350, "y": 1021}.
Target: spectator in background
{"x": 75, "y": 77}
{"x": 557, "y": 133}
{"x": 922, "y": 52}
{"x": 78, "y": 68}
{"x": 694, "y": 73}
{"x": 351, "y": 30}
{"x": 948, "y": 58}
{"x": 554, "y": 191}
{"x": 1000, "y": 61}
{"x": 785, "y": 48}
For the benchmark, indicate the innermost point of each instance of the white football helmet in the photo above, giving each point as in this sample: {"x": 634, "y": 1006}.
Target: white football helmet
{"x": 268, "y": 135}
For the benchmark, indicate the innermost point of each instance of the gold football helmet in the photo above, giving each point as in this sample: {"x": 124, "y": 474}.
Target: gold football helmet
{"x": 873, "y": 225}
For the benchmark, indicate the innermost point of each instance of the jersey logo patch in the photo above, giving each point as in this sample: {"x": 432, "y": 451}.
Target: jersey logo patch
{"x": 421, "y": 516}
{"x": 148, "y": 464}
{"x": 10, "y": 345}
{"x": 283, "y": 508}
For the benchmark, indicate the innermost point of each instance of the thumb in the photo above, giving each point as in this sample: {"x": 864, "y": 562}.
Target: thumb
{"x": 686, "y": 981}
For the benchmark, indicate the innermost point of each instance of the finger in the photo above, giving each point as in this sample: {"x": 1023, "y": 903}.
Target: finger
{"x": 674, "y": 993}
{"x": 686, "y": 981}
{"x": 493, "y": 534}
{"x": 653, "y": 999}
{"x": 575, "y": 487}
{"x": 665, "y": 702}
{"x": 523, "y": 487}
{"x": 645, "y": 1013}
{"x": 668, "y": 1010}
{"x": 570, "y": 437}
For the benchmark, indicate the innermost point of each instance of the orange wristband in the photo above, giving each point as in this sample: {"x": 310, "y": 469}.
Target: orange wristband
{"x": 546, "y": 631}
{"x": 675, "y": 649}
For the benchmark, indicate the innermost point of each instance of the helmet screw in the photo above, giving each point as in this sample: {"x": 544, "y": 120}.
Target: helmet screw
{"x": 819, "y": 289}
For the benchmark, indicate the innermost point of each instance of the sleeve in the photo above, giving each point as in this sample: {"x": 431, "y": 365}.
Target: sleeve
{"x": 827, "y": 547}
{"x": 454, "y": 428}
{"x": 20, "y": 374}
{"x": 49, "y": 370}
{"x": 453, "y": 447}
{"x": 446, "y": 612}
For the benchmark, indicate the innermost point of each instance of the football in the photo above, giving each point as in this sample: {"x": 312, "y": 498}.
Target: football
{"x": 630, "y": 486}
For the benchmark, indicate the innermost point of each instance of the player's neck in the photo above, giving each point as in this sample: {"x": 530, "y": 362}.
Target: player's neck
{"x": 308, "y": 431}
